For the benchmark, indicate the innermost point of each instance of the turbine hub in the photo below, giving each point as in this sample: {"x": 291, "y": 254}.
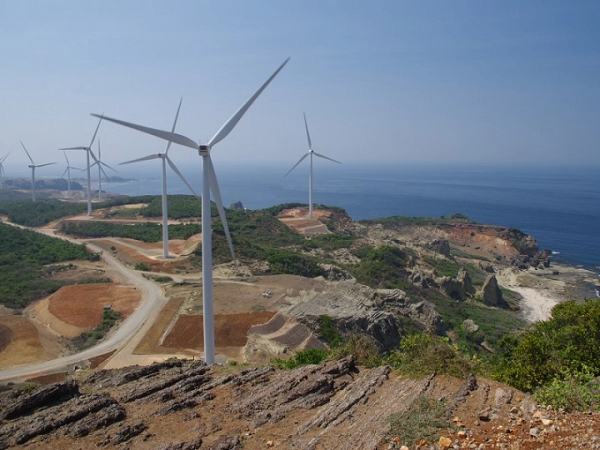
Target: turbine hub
{"x": 204, "y": 150}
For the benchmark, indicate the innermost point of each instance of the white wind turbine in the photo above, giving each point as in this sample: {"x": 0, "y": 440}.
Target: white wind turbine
{"x": 164, "y": 157}
{"x": 88, "y": 150}
{"x": 310, "y": 153}
{"x": 209, "y": 183}
{"x": 101, "y": 171}
{"x": 68, "y": 172}
{"x": 33, "y": 166}
{"x": 2, "y": 174}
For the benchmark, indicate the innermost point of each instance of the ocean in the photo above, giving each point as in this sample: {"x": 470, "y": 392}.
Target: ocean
{"x": 559, "y": 206}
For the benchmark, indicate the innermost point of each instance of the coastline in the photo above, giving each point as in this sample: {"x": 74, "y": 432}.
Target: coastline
{"x": 542, "y": 289}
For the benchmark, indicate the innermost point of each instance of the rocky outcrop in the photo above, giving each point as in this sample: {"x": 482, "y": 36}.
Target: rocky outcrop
{"x": 441, "y": 246}
{"x": 379, "y": 313}
{"x": 491, "y": 295}
{"x": 459, "y": 288}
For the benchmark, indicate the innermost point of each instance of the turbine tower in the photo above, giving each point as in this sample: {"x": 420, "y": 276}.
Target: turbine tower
{"x": 33, "y": 166}
{"x": 88, "y": 150}
{"x": 2, "y": 174}
{"x": 164, "y": 157}
{"x": 209, "y": 183}
{"x": 310, "y": 153}
{"x": 101, "y": 171}
{"x": 68, "y": 172}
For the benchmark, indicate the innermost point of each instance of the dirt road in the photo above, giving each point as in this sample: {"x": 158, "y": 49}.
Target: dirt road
{"x": 152, "y": 301}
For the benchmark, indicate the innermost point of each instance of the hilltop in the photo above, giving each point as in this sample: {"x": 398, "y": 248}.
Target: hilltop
{"x": 303, "y": 285}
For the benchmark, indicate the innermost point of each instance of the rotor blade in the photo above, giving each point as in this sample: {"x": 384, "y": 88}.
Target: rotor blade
{"x": 92, "y": 165}
{"x": 214, "y": 187}
{"x": 95, "y": 132}
{"x": 295, "y": 165}
{"x": 93, "y": 156}
{"x": 174, "y": 123}
{"x": 65, "y": 153}
{"x": 74, "y": 148}
{"x": 145, "y": 158}
{"x": 76, "y": 168}
{"x": 307, "y": 134}
{"x": 232, "y": 122}
{"x": 174, "y": 137}
{"x": 2, "y": 160}
{"x": 106, "y": 165}
{"x": 103, "y": 172}
{"x": 45, "y": 164}
{"x": 325, "y": 157}
{"x": 66, "y": 170}
{"x": 99, "y": 154}
{"x": 27, "y": 153}
{"x": 180, "y": 175}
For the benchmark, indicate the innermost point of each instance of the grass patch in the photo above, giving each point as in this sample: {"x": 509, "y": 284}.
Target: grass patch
{"x": 301, "y": 358}
{"x": 87, "y": 340}
{"x": 423, "y": 420}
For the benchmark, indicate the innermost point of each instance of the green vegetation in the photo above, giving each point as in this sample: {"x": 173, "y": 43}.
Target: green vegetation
{"x": 363, "y": 347}
{"x": 37, "y": 214}
{"x": 146, "y": 232}
{"x": 180, "y": 207}
{"x": 396, "y": 222}
{"x": 564, "y": 348}
{"x": 143, "y": 267}
{"x": 443, "y": 267}
{"x": 383, "y": 267}
{"x": 163, "y": 279}
{"x": 23, "y": 254}
{"x": 328, "y": 332}
{"x": 423, "y": 420}
{"x": 87, "y": 340}
{"x": 423, "y": 354}
{"x": 94, "y": 280}
{"x": 301, "y": 358}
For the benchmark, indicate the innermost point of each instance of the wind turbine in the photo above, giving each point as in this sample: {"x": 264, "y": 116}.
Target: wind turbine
{"x": 164, "y": 157}
{"x": 68, "y": 172}
{"x": 310, "y": 153}
{"x": 33, "y": 166}
{"x": 101, "y": 171}
{"x": 88, "y": 150}
{"x": 209, "y": 183}
{"x": 2, "y": 174}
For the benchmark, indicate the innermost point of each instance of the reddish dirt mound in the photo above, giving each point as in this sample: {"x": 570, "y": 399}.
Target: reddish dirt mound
{"x": 230, "y": 330}
{"x": 21, "y": 342}
{"x": 303, "y": 213}
{"x": 82, "y": 305}
{"x": 131, "y": 256}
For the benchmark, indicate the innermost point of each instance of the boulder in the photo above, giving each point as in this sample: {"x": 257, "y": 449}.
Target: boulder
{"x": 441, "y": 246}
{"x": 491, "y": 295}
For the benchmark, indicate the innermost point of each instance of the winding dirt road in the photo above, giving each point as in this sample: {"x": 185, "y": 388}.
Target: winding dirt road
{"x": 151, "y": 303}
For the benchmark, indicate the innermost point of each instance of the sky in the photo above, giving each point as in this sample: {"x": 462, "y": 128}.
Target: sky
{"x": 381, "y": 82}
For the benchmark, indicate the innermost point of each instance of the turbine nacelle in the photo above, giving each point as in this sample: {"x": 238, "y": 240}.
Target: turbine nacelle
{"x": 204, "y": 150}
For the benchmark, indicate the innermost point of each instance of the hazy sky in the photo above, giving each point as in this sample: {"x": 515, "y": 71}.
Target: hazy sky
{"x": 382, "y": 81}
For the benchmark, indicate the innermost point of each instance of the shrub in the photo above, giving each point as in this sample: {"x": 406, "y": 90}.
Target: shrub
{"x": 328, "y": 332}
{"x": 573, "y": 391}
{"x": 362, "y": 347}
{"x": 143, "y": 267}
{"x": 163, "y": 279}
{"x": 301, "y": 358}
{"x": 422, "y": 354}
{"x": 422, "y": 421}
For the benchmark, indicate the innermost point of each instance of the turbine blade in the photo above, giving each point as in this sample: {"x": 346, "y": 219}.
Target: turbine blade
{"x": 296, "y": 165}
{"x": 3, "y": 159}
{"x": 180, "y": 175}
{"x": 325, "y": 157}
{"x": 65, "y": 153}
{"x": 103, "y": 172}
{"x": 145, "y": 158}
{"x": 45, "y": 164}
{"x": 174, "y": 123}
{"x": 77, "y": 168}
{"x": 66, "y": 170}
{"x": 27, "y": 153}
{"x": 74, "y": 148}
{"x": 214, "y": 187}
{"x": 93, "y": 156}
{"x": 106, "y": 165}
{"x": 95, "y": 132}
{"x": 233, "y": 120}
{"x": 174, "y": 137}
{"x": 307, "y": 134}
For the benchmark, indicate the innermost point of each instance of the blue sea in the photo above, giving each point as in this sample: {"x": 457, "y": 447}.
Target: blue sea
{"x": 559, "y": 206}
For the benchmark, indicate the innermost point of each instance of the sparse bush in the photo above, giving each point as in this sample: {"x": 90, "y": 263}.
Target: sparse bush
{"x": 328, "y": 332}
{"x": 573, "y": 391}
{"x": 143, "y": 267}
{"x": 422, "y": 354}
{"x": 301, "y": 358}
{"x": 422, "y": 421}
{"x": 362, "y": 347}
{"x": 163, "y": 279}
